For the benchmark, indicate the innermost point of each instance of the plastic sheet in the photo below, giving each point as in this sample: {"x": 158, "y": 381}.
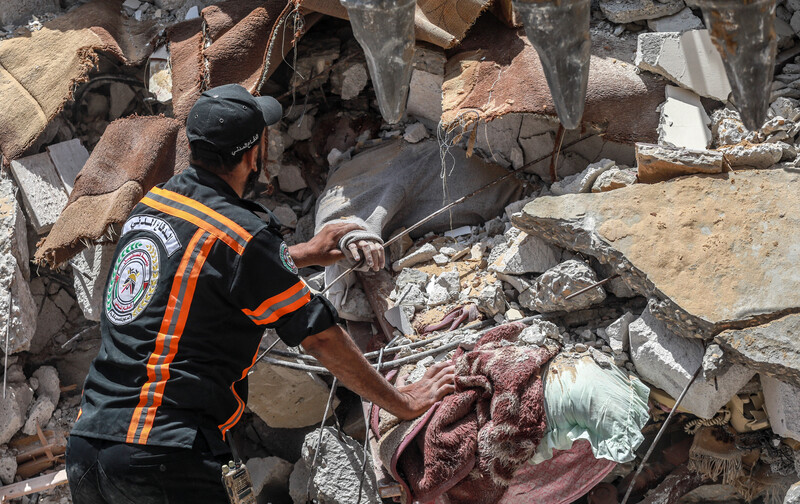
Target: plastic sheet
{"x": 744, "y": 33}
{"x": 559, "y": 30}
{"x": 385, "y": 30}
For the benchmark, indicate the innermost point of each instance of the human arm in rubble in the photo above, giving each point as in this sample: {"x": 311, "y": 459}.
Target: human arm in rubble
{"x": 335, "y": 350}
{"x": 323, "y": 248}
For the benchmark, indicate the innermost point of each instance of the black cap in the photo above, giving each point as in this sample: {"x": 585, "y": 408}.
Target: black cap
{"x": 228, "y": 120}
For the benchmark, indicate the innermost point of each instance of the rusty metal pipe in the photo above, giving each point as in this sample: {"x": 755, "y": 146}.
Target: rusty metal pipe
{"x": 559, "y": 30}
{"x": 385, "y": 31}
{"x": 744, "y": 33}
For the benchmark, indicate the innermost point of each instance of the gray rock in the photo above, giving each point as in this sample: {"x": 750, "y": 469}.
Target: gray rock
{"x": 18, "y": 313}
{"x": 688, "y": 59}
{"x": 302, "y": 128}
{"x": 492, "y": 300}
{"x": 415, "y": 132}
{"x": 628, "y": 11}
{"x": 772, "y": 348}
{"x": 782, "y": 405}
{"x": 290, "y": 178}
{"x": 668, "y": 361}
{"x": 412, "y": 296}
{"x": 397, "y": 318}
{"x": 617, "y": 333}
{"x": 286, "y": 216}
{"x": 713, "y": 362}
{"x": 269, "y": 474}
{"x": 758, "y": 156}
{"x": 422, "y": 254}
{"x": 526, "y": 254}
{"x": 12, "y": 409}
{"x": 657, "y": 163}
{"x": 582, "y": 182}
{"x": 663, "y": 237}
{"x": 538, "y": 332}
{"x": 356, "y": 305}
{"x": 20, "y": 11}
{"x": 286, "y": 398}
{"x": 337, "y": 476}
{"x": 13, "y": 231}
{"x": 444, "y": 288}
{"x": 90, "y": 271}
{"x": 39, "y": 414}
{"x": 49, "y": 385}
{"x": 8, "y": 467}
{"x": 615, "y": 178}
{"x": 547, "y": 293}
{"x": 348, "y": 82}
{"x": 50, "y": 322}
{"x": 786, "y": 107}
{"x": 728, "y": 128}
{"x": 682, "y": 21}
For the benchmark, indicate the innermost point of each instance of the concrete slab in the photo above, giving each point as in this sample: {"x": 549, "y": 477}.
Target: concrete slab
{"x": 684, "y": 121}
{"x": 688, "y": 59}
{"x": 684, "y": 20}
{"x": 658, "y": 163}
{"x": 42, "y": 190}
{"x": 68, "y": 158}
{"x": 783, "y": 408}
{"x": 628, "y": 11}
{"x": 713, "y": 256}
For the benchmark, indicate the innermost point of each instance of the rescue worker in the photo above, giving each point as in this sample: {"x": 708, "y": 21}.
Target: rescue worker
{"x": 199, "y": 273}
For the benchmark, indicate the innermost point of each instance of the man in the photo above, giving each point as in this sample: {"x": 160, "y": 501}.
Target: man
{"x": 199, "y": 274}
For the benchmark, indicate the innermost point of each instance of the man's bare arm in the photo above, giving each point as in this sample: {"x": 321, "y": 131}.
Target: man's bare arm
{"x": 335, "y": 350}
{"x": 323, "y": 248}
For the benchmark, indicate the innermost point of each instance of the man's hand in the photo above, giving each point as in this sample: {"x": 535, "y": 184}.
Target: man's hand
{"x": 335, "y": 350}
{"x": 373, "y": 253}
{"x": 322, "y": 249}
{"x": 437, "y": 382}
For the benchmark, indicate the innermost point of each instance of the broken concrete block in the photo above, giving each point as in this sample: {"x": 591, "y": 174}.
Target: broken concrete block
{"x": 13, "y": 229}
{"x": 583, "y": 181}
{"x": 663, "y": 237}
{"x": 772, "y": 348}
{"x": 668, "y": 361}
{"x": 356, "y": 305}
{"x": 684, "y": 122}
{"x": 782, "y": 405}
{"x": 337, "y": 475}
{"x": 49, "y": 385}
{"x": 444, "y": 288}
{"x": 269, "y": 475}
{"x": 728, "y": 128}
{"x": 440, "y": 259}
{"x": 538, "y": 332}
{"x": 425, "y": 88}
{"x": 786, "y": 107}
{"x": 657, "y": 163}
{"x": 491, "y": 299}
{"x": 42, "y": 190}
{"x": 415, "y": 132}
{"x": 547, "y": 293}
{"x": 688, "y": 59}
{"x": 758, "y": 156}
{"x": 39, "y": 415}
{"x": 90, "y": 271}
{"x": 12, "y": 409}
{"x": 290, "y": 178}
{"x": 18, "y": 310}
{"x": 286, "y": 216}
{"x": 684, "y": 20}
{"x": 397, "y": 318}
{"x": 526, "y": 254}
{"x": 412, "y": 295}
{"x": 422, "y": 254}
{"x": 287, "y": 398}
{"x": 615, "y": 178}
{"x": 50, "y": 321}
{"x": 68, "y": 158}
{"x": 302, "y": 128}
{"x": 410, "y": 276}
{"x": 629, "y": 11}
{"x": 617, "y": 333}
{"x": 348, "y": 82}
{"x": 8, "y": 467}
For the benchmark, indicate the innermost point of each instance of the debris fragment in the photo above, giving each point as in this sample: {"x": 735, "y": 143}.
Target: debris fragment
{"x": 657, "y": 163}
{"x": 547, "y": 293}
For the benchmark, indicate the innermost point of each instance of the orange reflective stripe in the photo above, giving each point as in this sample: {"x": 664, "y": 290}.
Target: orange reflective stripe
{"x": 197, "y": 221}
{"x": 277, "y": 314}
{"x": 263, "y": 307}
{"x": 168, "y": 339}
{"x": 240, "y": 409}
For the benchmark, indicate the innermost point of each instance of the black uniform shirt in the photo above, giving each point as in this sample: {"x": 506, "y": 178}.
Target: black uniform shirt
{"x": 197, "y": 277}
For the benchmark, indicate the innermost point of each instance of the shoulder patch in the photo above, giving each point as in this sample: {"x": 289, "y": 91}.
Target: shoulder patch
{"x": 286, "y": 259}
{"x": 159, "y": 227}
{"x": 133, "y": 281}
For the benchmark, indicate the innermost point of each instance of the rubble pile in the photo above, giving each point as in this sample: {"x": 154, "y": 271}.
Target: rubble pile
{"x": 657, "y": 252}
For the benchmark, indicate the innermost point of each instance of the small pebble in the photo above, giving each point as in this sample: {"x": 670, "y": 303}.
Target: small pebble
{"x": 606, "y": 349}
{"x": 580, "y": 347}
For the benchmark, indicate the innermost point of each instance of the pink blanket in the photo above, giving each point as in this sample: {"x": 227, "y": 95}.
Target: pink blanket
{"x": 472, "y": 443}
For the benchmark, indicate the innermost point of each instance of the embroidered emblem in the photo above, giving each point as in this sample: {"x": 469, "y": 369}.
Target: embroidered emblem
{"x": 158, "y": 227}
{"x": 286, "y": 259}
{"x": 133, "y": 282}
